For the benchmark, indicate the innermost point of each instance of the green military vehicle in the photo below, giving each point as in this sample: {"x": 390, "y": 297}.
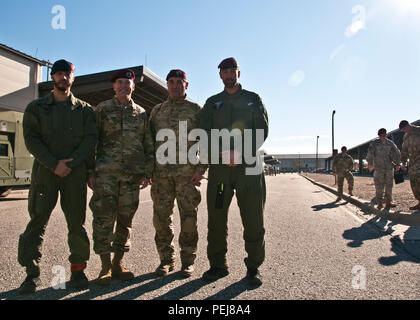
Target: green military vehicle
{"x": 15, "y": 160}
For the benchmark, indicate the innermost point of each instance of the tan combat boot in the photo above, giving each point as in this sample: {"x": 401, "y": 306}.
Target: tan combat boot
{"x": 187, "y": 270}
{"x": 104, "y": 278}
{"x": 118, "y": 270}
{"x": 164, "y": 268}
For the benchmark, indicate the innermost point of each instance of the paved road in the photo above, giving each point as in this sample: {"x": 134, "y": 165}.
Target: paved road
{"x": 315, "y": 249}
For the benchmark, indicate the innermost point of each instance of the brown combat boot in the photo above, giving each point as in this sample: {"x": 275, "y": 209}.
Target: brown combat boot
{"x": 416, "y": 207}
{"x": 187, "y": 271}
{"x": 104, "y": 278}
{"x": 164, "y": 268}
{"x": 118, "y": 270}
{"x": 389, "y": 204}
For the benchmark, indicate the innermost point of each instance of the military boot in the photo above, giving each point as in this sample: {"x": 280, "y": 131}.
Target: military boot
{"x": 28, "y": 286}
{"x": 164, "y": 268}
{"x": 118, "y": 271}
{"x": 253, "y": 277}
{"x": 78, "y": 279}
{"x": 380, "y": 205}
{"x": 187, "y": 270}
{"x": 389, "y": 204}
{"x": 105, "y": 274}
{"x": 214, "y": 274}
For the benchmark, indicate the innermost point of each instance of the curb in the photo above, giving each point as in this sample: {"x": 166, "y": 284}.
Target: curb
{"x": 403, "y": 218}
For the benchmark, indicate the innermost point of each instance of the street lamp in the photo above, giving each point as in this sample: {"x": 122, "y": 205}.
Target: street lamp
{"x": 333, "y": 132}
{"x": 316, "y": 164}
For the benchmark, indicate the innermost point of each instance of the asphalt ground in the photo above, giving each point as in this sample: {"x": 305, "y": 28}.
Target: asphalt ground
{"x": 315, "y": 249}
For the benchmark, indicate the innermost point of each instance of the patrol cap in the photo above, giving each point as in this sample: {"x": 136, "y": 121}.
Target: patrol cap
{"x": 177, "y": 73}
{"x": 228, "y": 63}
{"x": 62, "y": 65}
{"x": 381, "y": 131}
{"x": 123, "y": 73}
{"x": 403, "y": 124}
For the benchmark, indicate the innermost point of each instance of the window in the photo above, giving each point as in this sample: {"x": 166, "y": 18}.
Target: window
{"x": 4, "y": 150}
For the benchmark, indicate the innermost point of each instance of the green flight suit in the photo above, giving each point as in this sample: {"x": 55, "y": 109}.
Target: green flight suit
{"x": 52, "y": 132}
{"x": 241, "y": 110}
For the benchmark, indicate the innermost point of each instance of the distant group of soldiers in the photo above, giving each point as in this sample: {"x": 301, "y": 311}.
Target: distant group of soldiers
{"x": 384, "y": 158}
{"x": 112, "y": 149}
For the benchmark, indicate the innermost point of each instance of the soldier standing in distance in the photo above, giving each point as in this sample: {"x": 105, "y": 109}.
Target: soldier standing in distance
{"x": 60, "y": 133}
{"x": 382, "y": 156}
{"x": 234, "y": 108}
{"x": 411, "y": 151}
{"x": 177, "y": 180}
{"x": 124, "y": 163}
{"x": 343, "y": 164}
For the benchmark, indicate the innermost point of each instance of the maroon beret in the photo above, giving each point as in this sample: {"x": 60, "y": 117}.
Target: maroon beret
{"x": 124, "y": 73}
{"x": 177, "y": 73}
{"x": 228, "y": 63}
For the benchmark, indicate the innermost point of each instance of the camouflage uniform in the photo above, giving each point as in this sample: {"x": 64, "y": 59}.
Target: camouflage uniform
{"x": 172, "y": 181}
{"x": 343, "y": 163}
{"x": 124, "y": 156}
{"x": 411, "y": 150}
{"x": 383, "y": 156}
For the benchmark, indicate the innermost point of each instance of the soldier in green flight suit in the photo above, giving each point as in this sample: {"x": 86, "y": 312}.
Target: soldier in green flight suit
{"x": 239, "y": 111}
{"x": 60, "y": 132}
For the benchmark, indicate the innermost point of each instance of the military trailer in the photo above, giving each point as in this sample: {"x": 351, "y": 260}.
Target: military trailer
{"x": 15, "y": 160}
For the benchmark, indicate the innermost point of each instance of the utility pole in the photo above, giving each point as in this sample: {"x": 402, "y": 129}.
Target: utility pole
{"x": 316, "y": 164}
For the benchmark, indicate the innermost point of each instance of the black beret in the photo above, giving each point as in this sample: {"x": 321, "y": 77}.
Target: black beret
{"x": 177, "y": 73}
{"x": 228, "y": 63}
{"x": 62, "y": 65}
{"x": 123, "y": 73}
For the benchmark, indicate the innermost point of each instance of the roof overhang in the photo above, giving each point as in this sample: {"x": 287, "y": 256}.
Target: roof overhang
{"x": 94, "y": 88}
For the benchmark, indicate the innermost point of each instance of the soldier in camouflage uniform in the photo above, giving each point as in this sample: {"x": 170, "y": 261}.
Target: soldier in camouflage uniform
{"x": 178, "y": 180}
{"x": 382, "y": 156}
{"x": 343, "y": 164}
{"x": 411, "y": 151}
{"x": 124, "y": 162}
{"x": 60, "y": 132}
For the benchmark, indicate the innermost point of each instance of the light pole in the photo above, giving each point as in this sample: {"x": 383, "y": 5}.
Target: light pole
{"x": 333, "y": 132}
{"x": 332, "y": 156}
{"x": 316, "y": 164}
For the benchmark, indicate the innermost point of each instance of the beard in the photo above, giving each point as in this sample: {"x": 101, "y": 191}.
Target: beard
{"x": 229, "y": 83}
{"x": 61, "y": 85}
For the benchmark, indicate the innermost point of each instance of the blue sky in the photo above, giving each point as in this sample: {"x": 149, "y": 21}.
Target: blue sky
{"x": 295, "y": 54}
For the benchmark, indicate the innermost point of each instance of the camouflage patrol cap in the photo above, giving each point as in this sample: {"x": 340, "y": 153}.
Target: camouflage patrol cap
{"x": 176, "y": 73}
{"x": 123, "y": 73}
{"x": 228, "y": 63}
{"x": 62, "y": 65}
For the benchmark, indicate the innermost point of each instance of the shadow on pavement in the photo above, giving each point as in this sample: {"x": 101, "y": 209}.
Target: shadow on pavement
{"x": 183, "y": 291}
{"x": 232, "y": 291}
{"x": 330, "y": 205}
{"x": 404, "y": 249}
{"x": 367, "y": 231}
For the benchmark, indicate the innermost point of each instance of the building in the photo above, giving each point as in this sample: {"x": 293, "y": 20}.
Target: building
{"x": 305, "y": 162}
{"x": 20, "y": 75}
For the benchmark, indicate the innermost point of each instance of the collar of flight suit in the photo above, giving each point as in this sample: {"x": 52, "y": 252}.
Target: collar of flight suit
{"x": 237, "y": 93}
{"x": 74, "y": 102}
